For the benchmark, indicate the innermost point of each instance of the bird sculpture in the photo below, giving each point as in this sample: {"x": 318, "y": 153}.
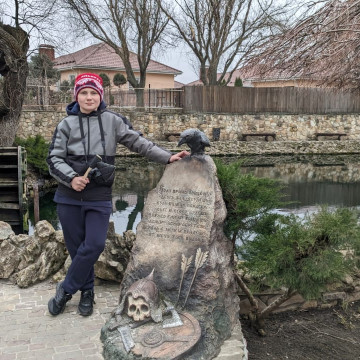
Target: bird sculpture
{"x": 195, "y": 139}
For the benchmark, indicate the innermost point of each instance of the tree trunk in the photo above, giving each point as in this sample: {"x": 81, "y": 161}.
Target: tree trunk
{"x": 258, "y": 318}
{"x": 246, "y": 290}
{"x": 276, "y": 303}
{"x": 14, "y": 44}
{"x": 139, "y": 98}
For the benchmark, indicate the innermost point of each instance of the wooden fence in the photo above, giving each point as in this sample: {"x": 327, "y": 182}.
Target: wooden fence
{"x": 222, "y": 99}
{"x": 158, "y": 98}
{"x": 44, "y": 97}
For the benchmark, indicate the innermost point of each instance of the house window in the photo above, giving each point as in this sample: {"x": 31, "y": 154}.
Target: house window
{"x": 130, "y": 86}
{"x": 71, "y": 79}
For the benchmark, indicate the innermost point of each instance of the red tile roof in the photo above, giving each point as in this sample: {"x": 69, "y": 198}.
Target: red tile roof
{"x": 102, "y": 56}
{"x": 254, "y": 73}
{"x": 178, "y": 84}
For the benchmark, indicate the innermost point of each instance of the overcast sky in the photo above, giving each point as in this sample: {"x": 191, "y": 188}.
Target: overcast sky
{"x": 179, "y": 59}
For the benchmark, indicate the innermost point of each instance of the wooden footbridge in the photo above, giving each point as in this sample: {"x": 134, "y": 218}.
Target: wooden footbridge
{"x": 13, "y": 204}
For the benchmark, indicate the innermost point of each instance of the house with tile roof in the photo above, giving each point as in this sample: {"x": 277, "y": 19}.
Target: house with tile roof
{"x": 101, "y": 58}
{"x": 252, "y": 76}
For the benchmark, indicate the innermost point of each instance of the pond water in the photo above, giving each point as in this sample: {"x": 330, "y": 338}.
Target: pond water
{"x": 310, "y": 181}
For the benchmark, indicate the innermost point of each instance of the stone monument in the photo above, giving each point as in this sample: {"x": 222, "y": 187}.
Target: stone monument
{"x": 178, "y": 298}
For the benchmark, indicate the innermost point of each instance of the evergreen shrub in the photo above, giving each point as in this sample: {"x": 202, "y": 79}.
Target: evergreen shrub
{"x": 37, "y": 150}
{"x": 300, "y": 255}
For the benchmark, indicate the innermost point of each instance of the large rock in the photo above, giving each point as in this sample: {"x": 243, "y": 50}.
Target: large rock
{"x": 38, "y": 256}
{"x": 5, "y": 230}
{"x": 113, "y": 261}
{"x": 182, "y": 220}
{"x": 9, "y": 258}
{"x": 26, "y": 260}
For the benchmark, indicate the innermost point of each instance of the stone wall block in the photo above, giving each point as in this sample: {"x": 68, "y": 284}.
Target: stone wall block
{"x": 311, "y": 304}
{"x": 25, "y": 277}
{"x": 329, "y": 304}
{"x": 355, "y": 296}
{"x": 5, "y": 231}
{"x": 340, "y": 295}
{"x": 30, "y": 254}
{"x": 114, "y": 259}
{"x": 59, "y": 237}
{"x": 44, "y": 231}
{"x": 51, "y": 259}
{"x": 9, "y": 259}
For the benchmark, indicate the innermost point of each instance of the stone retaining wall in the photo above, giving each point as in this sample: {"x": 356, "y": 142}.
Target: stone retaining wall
{"x": 156, "y": 124}
{"x": 267, "y": 148}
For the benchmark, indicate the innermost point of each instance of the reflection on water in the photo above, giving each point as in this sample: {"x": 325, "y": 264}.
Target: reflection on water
{"x": 134, "y": 178}
{"x": 310, "y": 181}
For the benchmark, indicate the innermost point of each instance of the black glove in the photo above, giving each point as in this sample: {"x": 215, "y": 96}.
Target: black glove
{"x": 103, "y": 174}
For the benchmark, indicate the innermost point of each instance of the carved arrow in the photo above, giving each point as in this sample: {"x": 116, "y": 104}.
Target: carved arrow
{"x": 185, "y": 264}
{"x": 200, "y": 259}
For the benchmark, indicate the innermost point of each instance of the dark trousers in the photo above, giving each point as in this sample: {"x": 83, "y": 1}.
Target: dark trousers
{"x": 85, "y": 229}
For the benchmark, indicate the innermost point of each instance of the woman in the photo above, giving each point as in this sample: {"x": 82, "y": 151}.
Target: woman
{"x": 84, "y": 203}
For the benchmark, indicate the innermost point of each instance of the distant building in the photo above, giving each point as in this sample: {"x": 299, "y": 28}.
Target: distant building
{"x": 178, "y": 85}
{"x": 252, "y": 77}
{"x": 101, "y": 58}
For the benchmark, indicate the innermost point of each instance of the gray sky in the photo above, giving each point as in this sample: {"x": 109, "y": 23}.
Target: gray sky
{"x": 179, "y": 59}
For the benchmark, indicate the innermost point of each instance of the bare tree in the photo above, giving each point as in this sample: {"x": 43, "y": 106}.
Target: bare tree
{"x": 221, "y": 33}
{"x": 126, "y": 26}
{"x": 324, "y": 46}
{"x": 23, "y": 17}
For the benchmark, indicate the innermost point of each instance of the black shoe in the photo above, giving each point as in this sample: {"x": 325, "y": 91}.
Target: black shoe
{"x": 56, "y": 304}
{"x": 86, "y": 302}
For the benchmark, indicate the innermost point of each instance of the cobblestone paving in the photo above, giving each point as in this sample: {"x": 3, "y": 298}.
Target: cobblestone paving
{"x": 28, "y": 331}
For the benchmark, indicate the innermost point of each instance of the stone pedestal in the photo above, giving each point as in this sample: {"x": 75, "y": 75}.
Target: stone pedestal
{"x": 181, "y": 238}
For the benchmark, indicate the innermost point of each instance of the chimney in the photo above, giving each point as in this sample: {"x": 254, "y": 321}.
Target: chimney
{"x": 47, "y": 50}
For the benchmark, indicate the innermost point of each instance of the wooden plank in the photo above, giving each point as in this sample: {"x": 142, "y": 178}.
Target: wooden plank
{"x": 8, "y": 198}
{"x": 8, "y": 215}
{"x": 9, "y": 206}
{"x": 12, "y": 154}
{"x": 11, "y": 184}
{"x": 8, "y": 166}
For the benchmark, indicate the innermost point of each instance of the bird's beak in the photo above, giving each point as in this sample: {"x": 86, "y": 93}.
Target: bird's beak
{"x": 182, "y": 141}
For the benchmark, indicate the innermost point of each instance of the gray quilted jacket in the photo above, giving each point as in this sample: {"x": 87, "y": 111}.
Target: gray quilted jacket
{"x": 71, "y": 149}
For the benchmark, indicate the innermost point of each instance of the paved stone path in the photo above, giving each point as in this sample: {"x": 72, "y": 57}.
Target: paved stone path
{"x": 28, "y": 331}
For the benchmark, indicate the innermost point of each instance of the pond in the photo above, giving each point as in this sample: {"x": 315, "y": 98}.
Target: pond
{"x": 311, "y": 180}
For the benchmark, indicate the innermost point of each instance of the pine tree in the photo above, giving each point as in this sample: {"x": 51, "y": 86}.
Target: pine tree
{"x": 238, "y": 82}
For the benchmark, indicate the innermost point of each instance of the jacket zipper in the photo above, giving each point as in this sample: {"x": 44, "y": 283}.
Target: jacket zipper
{"x": 88, "y": 124}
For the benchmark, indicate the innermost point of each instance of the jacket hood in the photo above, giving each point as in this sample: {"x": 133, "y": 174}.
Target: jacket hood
{"x": 74, "y": 108}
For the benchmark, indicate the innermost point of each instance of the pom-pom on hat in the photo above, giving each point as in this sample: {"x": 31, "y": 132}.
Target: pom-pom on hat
{"x": 89, "y": 80}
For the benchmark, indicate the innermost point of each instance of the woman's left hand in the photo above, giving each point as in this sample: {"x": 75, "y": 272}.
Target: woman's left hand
{"x": 178, "y": 156}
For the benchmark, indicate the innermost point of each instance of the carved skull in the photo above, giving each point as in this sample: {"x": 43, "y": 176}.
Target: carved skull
{"x": 141, "y": 300}
{"x": 138, "y": 308}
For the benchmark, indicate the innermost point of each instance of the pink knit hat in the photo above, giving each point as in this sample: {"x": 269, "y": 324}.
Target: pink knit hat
{"x": 89, "y": 80}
